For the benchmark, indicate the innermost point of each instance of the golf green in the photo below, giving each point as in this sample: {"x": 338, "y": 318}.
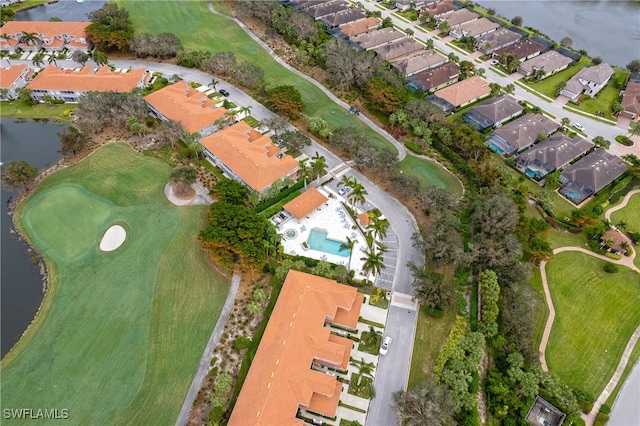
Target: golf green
{"x": 121, "y": 333}
{"x": 429, "y": 173}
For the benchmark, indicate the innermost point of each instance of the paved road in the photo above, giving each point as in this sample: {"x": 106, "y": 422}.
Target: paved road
{"x": 626, "y": 408}
{"x": 205, "y": 361}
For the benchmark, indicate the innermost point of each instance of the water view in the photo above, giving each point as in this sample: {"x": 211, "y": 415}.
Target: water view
{"x": 608, "y": 29}
{"x": 20, "y": 280}
{"x": 67, "y": 10}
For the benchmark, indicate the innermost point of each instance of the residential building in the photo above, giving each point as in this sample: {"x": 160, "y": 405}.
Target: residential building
{"x": 399, "y": 49}
{"x": 551, "y": 154}
{"x": 248, "y": 156}
{"x": 474, "y": 28}
{"x": 70, "y": 84}
{"x": 544, "y": 413}
{"x": 180, "y": 102}
{"x": 495, "y": 40}
{"x": 615, "y": 242}
{"x": 589, "y": 175}
{"x": 343, "y": 17}
{"x": 403, "y": 5}
{"x": 493, "y": 112}
{"x": 305, "y": 203}
{"x": 631, "y": 100}
{"x": 435, "y": 78}
{"x": 436, "y": 9}
{"x": 286, "y": 373}
{"x": 319, "y": 10}
{"x": 588, "y": 80}
{"x": 52, "y": 35}
{"x": 417, "y": 62}
{"x": 521, "y": 133}
{"x": 457, "y": 17}
{"x": 359, "y": 27}
{"x": 550, "y": 63}
{"x": 377, "y": 38}
{"x": 460, "y": 94}
{"x": 13, "y": 78}
{"x": 522, "y": 50}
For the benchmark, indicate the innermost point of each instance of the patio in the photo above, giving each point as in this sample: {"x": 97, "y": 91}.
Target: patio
{"x": 331, "y": 219}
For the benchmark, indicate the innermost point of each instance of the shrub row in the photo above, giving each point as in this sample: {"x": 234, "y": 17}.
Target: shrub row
{"x": 458, "y": 163}
{"x": 275, "y": 209}
{"x": 271, "y": 201}
{"x": 456, "y": 335}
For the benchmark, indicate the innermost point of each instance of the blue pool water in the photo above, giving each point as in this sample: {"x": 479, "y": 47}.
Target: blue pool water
{"x": 532, "y": 174}
{"x": 318, "y": 241}
{"x": 572, "y": 195}
{"x": 495, "y": 148}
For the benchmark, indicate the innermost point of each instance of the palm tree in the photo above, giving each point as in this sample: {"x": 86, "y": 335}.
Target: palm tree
{"x": 246, "y": 110}
{"x": 364, "y": 369}
{"x": 303, "y": 171}
{"x": 319, "y": 166}
{"x": 347, "y": 181}
{"x": 213, "y": 83}
{"x": 38, "y": 59}
{"x": 52, "y": 58}
{"x": 379, "y": 227}
{"x": 373, "y": 262}
{"x": 357, "y": 194}
{"x": 349, "y": 245}
{"x": 29, "y": 38}
{"x": 373, "y": 337}
{"x": 100, "y": 58}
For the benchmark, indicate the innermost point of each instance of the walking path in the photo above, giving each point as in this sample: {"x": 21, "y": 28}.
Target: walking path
{"x": 205, "y": 361}
{"x": 625, "y": 261}
{"x": 400, "y": 147}
{"x": 623, "y": 204}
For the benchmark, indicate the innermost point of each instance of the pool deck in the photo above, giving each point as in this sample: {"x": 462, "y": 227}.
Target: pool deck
{"x": 332, "y": 218}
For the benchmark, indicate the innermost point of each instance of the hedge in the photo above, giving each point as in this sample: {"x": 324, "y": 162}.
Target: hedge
{"x": 414, "y": 147}
{"x": 271, "y": 201}
{"x": 275, "y": 209}
{"x": 458, "y": 163}
{"x": 456, "y": 335}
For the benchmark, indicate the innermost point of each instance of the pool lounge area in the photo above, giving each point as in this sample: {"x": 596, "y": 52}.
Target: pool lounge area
{"x": 319, "y": 233}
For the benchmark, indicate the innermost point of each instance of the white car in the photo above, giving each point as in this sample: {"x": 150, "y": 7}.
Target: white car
{"x": 579, "y": 126}
{"x": 384, "y": 348}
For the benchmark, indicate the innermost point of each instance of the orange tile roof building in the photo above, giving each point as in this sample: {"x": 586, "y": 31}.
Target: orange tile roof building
{"x": 248, "y": 156}
{"x": 359, "y": 27}
{"x": 305, "y": 203}
{"x": 53, "y": 35}
{"x": 281, "y": 378}
{"x": 13, "y": 78}
{"x": 180, "y": 102}
{"x": 70, "y": 84}
{"x": 461, "y": 93}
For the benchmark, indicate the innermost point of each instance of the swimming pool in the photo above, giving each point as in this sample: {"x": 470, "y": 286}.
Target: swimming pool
{"x": 495, "y": 148}
{"x": 318, "y": 241}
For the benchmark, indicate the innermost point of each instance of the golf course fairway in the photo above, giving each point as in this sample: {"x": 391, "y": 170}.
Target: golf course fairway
{"x": 120, "y": 333}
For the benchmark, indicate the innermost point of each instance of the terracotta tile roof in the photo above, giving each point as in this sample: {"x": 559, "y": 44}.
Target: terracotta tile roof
{"x": 184, "y": 104}
{"x": 359, "y": 27}
{"x": 247, "y": 153}
{"x": 631, "y": 98}
{"x": 45, "y": 29}
{"x": 465, "y": 91}
{"x": 364, "y": 218}
{"x": 280, "y": 379}
{"x": 9, "y": 75}
{"x": 304, "y": 203}
{"x": 88, "y": 79}
{"x": 349, "y": 317}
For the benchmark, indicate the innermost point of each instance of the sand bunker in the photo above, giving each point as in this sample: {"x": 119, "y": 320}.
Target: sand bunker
{"x": 113, "y": 238}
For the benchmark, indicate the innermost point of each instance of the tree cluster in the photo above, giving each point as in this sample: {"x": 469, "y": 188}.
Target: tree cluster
{"x": 489, "y": 291}
{"x": 161, "y": 46}
{"x": 18, "y": 174}
{"x": 358, "y": 147}
{"x": 96, "y": 110}
{"x": 110, "y": 28}
{"x": 73, "y": 141}
{"x": 286, "y": 100}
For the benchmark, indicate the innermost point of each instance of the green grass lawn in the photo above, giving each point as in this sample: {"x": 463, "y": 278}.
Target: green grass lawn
{"x": 431, "y": 334}
{"x": 605, "y": 99}
{"x": 431, "y": 174}
{"x": 549, "y": 85}
{"x": 596, "y": 313}
{"x": 121, "y": 333}
{"x": 40, "y": 111}
{"x": 635, "y": 355}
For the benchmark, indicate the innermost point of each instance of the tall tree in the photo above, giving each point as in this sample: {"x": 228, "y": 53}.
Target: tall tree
{"x": 100, "y": 58}
{"x": 634, "y": 65}
{"x": 72, "y": 140}
{"x": 357, "y": 194}
{"x": 29, "y": 38}
{"x": 318, "y": 166}
{"x": 349, "y": 245}
{"x": 80, "y": 57}
{"x": 364, "y": 369}
{"x": 18, "y": 174}
{"x": 425, "y": 404}
{"x": 430, "y": 288}
{"x": 373, "y": 263}
{"x": 231, "y": 191}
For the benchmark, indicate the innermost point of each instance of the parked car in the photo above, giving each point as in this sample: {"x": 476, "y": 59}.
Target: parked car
{"x": 278, "y": 143}
{"x": 494, "y": 62}
{"x": 384, "y": 348}
{"x": 579, "y": 126}
{"x": 344, "y": 190}
{"x": 223, "y": 92}
{"x": 280, "y": 155}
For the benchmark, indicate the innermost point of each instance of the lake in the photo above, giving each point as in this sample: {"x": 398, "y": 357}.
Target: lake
{"x": 606, "y": 28}
{"x": 20, "y": 280}
{"x": 67, "y": 10}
